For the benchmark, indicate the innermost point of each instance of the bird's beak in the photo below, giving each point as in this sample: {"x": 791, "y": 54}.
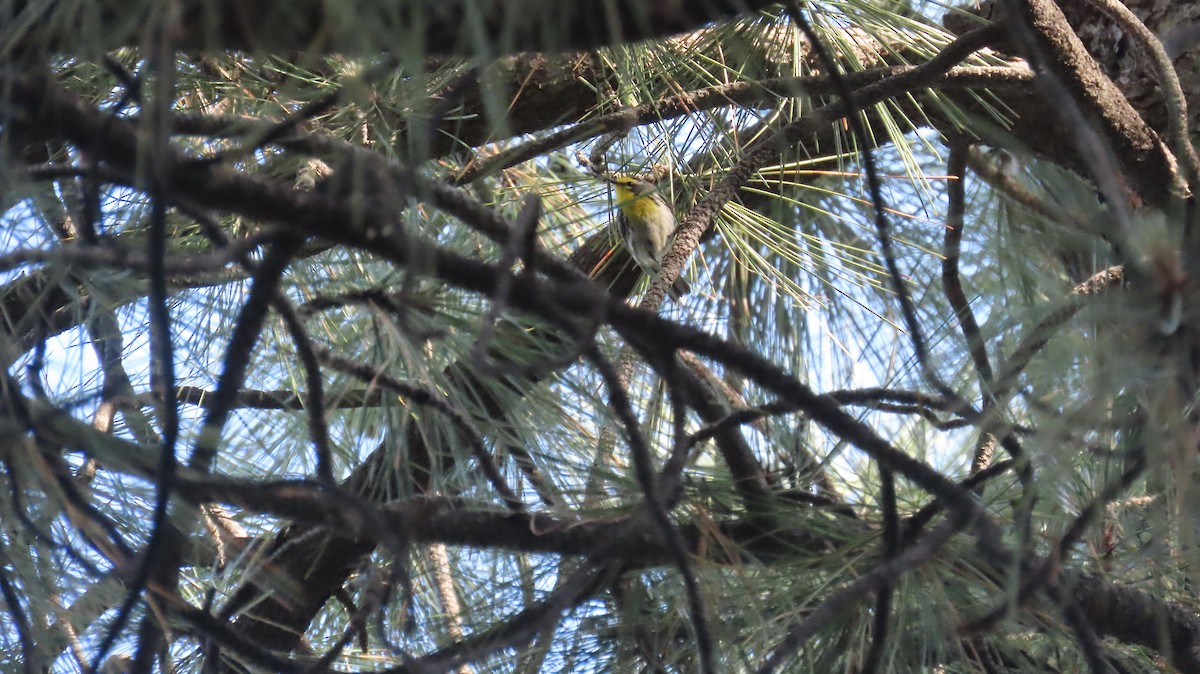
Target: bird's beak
{"x": 609, "y": 179}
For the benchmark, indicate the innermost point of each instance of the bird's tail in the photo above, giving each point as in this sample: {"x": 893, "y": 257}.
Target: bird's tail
{"x": 679, "y": 288}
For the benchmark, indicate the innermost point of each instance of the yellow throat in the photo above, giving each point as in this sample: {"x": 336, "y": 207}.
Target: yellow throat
{"x": 634, "y": 206}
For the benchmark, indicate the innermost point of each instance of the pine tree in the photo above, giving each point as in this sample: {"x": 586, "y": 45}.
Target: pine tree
{"x": 323, "y": 352}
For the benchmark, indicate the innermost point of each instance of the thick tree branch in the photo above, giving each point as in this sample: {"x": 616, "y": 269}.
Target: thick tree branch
{"x": 496, "y": 27}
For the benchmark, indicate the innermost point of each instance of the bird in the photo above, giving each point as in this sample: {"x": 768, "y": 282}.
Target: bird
{"x": 646, "y": 223}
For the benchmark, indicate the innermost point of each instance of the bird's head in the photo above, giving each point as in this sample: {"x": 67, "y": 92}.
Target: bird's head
{"x": 629, "y": 188}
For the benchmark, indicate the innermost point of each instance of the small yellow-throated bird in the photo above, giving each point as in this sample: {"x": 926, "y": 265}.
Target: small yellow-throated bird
{"x": 647, "y": 225}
